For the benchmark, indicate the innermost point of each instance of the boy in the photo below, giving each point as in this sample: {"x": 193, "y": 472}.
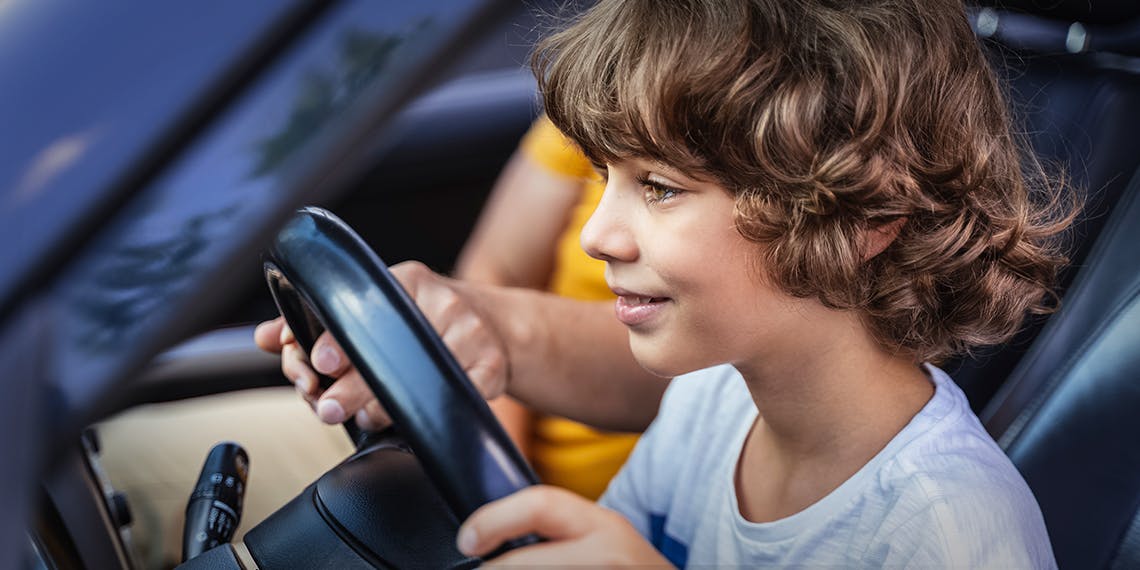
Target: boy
{"x": 806, "y": 203}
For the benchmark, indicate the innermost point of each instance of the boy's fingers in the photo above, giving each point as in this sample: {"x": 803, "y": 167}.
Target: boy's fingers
{"x": 328, "y": 358}
{"x": 549, "y": 512}
{"x": 537, "y": 555}
{"x": 267, "y": 335}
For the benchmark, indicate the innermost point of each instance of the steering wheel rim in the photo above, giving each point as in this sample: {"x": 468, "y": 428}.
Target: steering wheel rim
{"x": 323, "y": 275}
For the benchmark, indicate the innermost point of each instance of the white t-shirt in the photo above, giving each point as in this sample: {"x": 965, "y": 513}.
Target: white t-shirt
{"x": 940, "y": 494}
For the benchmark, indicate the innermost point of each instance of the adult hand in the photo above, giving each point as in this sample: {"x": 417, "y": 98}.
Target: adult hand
{"x": 449, "y": 306}
{"x": 576, "y": 531}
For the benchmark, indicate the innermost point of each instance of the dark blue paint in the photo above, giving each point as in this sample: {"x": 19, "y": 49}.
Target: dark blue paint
{"x": 173, "y": 240}
{"x": 163, "y": 250}
{"x": 86, "y": 90}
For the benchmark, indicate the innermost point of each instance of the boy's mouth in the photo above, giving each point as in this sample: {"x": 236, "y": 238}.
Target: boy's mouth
{"x": 632, "y": 301}
{"x": 634, "y": 309}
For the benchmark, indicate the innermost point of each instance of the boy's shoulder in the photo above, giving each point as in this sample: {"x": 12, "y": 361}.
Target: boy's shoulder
{"x": 943, "y": 455}
{"x": 941, "y": 493}
{"x": 945, "y": 452}
{"x": 951, "y": 488}
{"x": 947, "y": 439}
{"x": 959, "y": 514}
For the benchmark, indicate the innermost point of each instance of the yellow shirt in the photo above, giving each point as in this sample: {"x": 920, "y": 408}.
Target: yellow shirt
{"x": 565, "y": 453}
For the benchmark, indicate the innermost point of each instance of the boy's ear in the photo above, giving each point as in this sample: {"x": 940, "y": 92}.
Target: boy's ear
{"x": 876, "y": 238}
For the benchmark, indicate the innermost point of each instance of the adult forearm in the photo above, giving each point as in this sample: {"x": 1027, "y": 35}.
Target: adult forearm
{"x": 572, "y": 358}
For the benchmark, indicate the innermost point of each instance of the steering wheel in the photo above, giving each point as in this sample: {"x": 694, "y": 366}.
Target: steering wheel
{"x": 324, "y": 277}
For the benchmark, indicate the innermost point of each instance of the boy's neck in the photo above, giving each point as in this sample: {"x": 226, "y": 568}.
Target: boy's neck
{"x": 826, "y": 407}
{"x": 808, "y": 403}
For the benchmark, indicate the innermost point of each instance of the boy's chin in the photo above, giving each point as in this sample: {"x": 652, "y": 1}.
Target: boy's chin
{"x": 658, "y": 360}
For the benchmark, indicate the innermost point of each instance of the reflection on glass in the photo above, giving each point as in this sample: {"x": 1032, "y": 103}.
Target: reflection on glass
{"x": 133, "y": 279}
{"x": 325, "y": 93}
{"x": 131, "y": 282}
{"x": 178, "y": 232}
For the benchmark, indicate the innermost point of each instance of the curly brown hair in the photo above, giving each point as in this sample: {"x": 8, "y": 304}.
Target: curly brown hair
{"x": 828, "y": 119}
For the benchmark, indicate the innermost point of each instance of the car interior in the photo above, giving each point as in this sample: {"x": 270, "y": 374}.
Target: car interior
{"x": 1058, "y": 399}
{"x": 1061, "y": 399}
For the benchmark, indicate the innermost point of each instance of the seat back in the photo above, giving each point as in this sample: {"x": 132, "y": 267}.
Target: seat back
{"x": 1080, "y": 111}
{"x": 1068, "y": 414}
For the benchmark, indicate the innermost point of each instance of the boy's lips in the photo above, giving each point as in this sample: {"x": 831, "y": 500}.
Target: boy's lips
{"x": 633, "y": 308}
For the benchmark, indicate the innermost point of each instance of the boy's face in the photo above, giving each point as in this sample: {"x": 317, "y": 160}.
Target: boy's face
{"x": 690, "y": 287}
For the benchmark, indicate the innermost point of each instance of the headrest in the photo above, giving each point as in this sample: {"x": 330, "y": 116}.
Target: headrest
{"x": 1059, "y": 29}
{"x": 1103, "y": 12}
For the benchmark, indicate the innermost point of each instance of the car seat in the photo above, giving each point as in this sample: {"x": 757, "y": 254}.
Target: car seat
{"x": 1068, "y": 413}
{"x": 1074, "y": 75}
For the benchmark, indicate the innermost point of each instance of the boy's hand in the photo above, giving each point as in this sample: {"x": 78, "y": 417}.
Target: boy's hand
{"x": 578, "y": 532}
{"x": 447, "y": 306}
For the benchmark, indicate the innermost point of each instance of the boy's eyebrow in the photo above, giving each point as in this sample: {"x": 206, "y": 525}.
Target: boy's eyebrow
{"x": 672, "y": 172}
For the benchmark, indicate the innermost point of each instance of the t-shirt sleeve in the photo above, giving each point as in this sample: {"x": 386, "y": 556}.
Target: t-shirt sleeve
{"x": 643, "y": 491}
{"x": 627, "y": 492}
{"x": 969, "y": 530}
{"x": 547, "y": 146}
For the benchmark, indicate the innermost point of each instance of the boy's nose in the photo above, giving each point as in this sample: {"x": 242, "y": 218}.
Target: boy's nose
{"x": 607, "y": 234}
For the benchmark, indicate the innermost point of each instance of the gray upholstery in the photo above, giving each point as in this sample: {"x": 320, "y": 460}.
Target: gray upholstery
{"x": 1069, "y": 415}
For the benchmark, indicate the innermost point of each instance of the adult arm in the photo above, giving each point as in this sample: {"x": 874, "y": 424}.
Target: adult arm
{"x": 515, "y": 239}
{"x": 570, "y": 358}
{"x": 514, "y": 244}
{"x": 559, "y": 356}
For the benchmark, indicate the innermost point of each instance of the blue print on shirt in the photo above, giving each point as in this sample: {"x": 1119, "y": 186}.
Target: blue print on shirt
{"x": 672, "y": 549}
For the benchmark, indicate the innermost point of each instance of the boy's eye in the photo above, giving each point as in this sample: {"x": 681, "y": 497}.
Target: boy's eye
{"x": 656, "y": 192}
